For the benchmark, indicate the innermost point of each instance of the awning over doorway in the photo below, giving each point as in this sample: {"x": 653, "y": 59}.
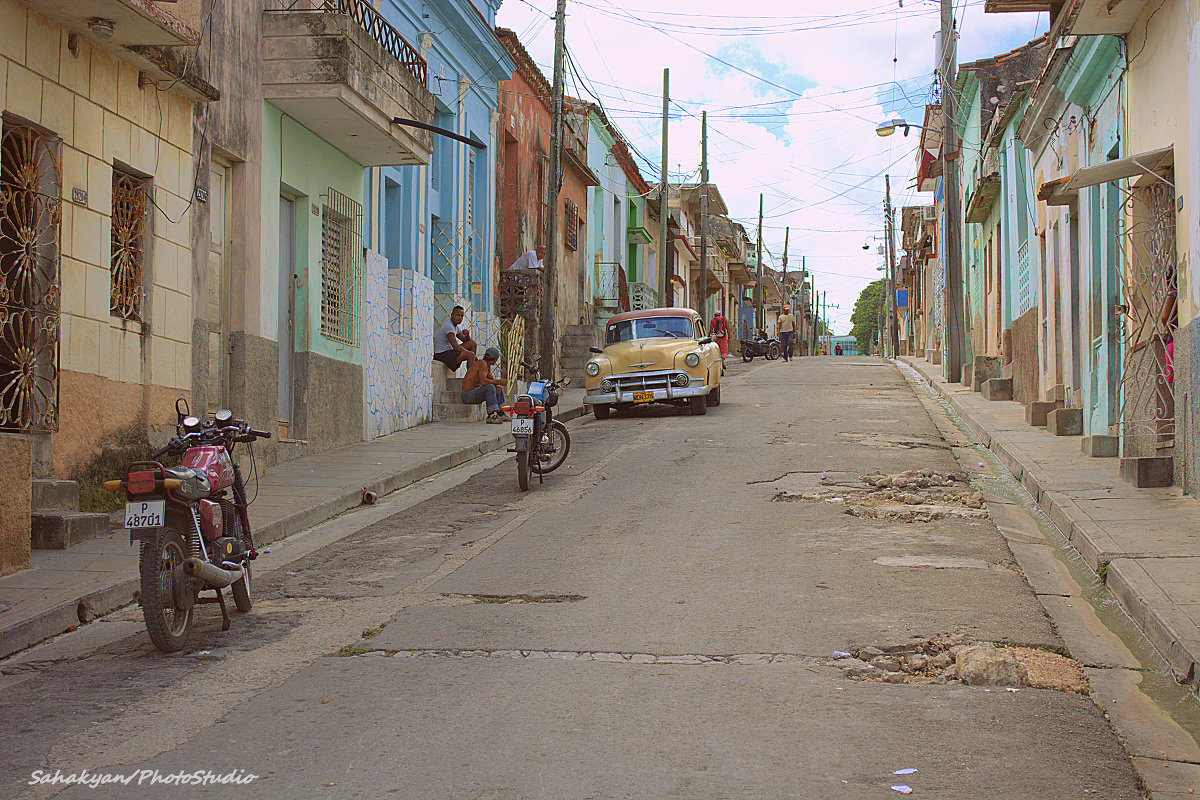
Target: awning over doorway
{"x": 1130, "y": 166}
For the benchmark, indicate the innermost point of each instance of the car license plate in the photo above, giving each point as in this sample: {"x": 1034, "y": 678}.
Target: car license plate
{"x": 643, "y": 397}
{"x": 523, "y": 426}
{"x": 145, "y": 514}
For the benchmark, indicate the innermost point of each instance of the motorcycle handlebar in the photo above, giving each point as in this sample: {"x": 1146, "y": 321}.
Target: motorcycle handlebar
{"x": 157, "y": 454}
{"x": 259, "y": 434}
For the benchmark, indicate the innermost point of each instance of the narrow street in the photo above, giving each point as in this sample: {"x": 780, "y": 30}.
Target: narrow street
{"x": 658, "y": 619}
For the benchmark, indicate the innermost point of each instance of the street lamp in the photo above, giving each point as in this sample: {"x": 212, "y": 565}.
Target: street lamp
{"x": 889, "y": 127}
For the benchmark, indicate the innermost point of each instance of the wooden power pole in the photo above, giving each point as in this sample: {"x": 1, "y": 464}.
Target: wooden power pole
{"x": 952, "y": 320}
{"x": 547, "y": 345}
{"x": 702, "y": 288}
{"x": 664, "y": 246}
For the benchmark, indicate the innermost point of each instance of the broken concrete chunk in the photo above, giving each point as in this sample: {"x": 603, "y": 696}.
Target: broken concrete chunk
{"x": 986, "y": 665}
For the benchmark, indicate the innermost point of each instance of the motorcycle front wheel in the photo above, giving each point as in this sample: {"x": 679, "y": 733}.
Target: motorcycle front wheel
{"x": 523, "y": 470}
{"x": 241, "y": 591}
{"x": 560, "y": 441}
{"x": 160, "y": 565}
{"x": 746, "y": 356}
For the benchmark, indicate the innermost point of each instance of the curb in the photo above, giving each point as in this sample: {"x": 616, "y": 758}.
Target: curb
{"x": 59, "y": 619}
{"x": 1134, "y": 589}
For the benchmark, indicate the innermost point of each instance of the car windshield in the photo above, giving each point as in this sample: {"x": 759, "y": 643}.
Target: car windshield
{"x": 648, "y": 328}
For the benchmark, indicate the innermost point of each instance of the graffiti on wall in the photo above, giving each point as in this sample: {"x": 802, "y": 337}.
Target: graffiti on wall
{"x": 397, "y": 348}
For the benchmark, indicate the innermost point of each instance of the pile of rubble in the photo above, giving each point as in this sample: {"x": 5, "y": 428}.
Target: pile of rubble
{"x": 917, "y": 486}
{"x": 953, "y": 658}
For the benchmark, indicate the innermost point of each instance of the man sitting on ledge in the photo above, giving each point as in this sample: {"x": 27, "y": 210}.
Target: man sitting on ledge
{"x": 452, "y": 344}
{"x": 479, "y": 386}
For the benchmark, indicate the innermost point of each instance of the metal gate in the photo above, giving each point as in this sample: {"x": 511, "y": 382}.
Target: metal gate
{"x": 457, "y": 267}
{"x": 1147, "y": 283}
{"x": 30, "y": 221}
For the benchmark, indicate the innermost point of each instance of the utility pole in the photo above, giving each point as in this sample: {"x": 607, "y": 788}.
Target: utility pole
{"x": 759, "y": 318}
{"x": 952, "y": 314}
{"x": 893, "y": 333}
{"x": 664, "y": 246}
{"x": 547, "y": 347}
{"x": 702, "y": 289}
{"x": 812, "y": 325}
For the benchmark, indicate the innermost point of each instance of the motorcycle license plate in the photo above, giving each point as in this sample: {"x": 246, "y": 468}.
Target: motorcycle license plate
{"x": 523, "y": 425}
{"x": 145, "y": 514}
{"x": 643, "y": 397}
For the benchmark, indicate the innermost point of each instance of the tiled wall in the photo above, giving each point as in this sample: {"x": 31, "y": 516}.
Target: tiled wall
{"x": 397, "y": 353}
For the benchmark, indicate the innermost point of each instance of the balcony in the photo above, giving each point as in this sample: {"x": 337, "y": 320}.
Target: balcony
{"x": 126, "y": 23}
{"x": 342, "y": 71}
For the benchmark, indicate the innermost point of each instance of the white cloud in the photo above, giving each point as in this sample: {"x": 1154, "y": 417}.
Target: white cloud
{"x": 817, "y": 160}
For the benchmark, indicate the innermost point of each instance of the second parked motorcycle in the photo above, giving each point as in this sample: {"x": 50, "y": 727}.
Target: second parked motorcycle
{"x": 540, "y": 441}
{"x": 760, "y": 345}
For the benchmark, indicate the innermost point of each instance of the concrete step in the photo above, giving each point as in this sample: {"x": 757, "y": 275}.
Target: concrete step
{"x": 457, "y": 412}
{"x": 1149, "y": 471}
{"x": 1037, "y": 411}
{"x": 997, "y": 389}
{"x": 1099, "y": 446}
{"x": 57, "y": 530}
{"x": 54, "y": 495}
{"x": 1065, "y": 422}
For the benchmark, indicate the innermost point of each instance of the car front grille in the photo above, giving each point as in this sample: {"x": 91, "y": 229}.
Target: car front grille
{"x": 643, "y": 381}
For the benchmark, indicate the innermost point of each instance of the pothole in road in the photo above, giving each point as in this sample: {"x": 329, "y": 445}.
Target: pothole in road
{"x": 915, "y": 495}
{"x": 954, "y": 658}
{"x": 893, "y": 442}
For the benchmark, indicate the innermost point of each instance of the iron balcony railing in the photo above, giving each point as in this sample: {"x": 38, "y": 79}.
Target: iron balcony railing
{"x": 370, "y": 21}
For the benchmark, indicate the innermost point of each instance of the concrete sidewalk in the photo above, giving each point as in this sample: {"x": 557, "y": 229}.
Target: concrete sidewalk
{"x": 1144, "y": 543}
{"x": 68, "y": 587}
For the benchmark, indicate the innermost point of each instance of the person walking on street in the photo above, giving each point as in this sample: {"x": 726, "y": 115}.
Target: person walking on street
{"x": 720, "y": 333}
{"x": 786, "y": 325}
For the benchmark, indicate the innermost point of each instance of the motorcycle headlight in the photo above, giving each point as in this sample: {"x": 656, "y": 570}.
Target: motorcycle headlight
{"x": 592, "y": 369}
{"x": 692, "y": 359}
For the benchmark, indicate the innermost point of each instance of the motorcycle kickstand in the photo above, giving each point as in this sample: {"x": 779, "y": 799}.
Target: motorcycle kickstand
{"x": 224, "y": 610}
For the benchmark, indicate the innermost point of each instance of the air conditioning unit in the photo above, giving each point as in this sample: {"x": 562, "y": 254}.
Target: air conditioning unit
{"x": 641, "y": 297}
{"x": 929, "y": 213}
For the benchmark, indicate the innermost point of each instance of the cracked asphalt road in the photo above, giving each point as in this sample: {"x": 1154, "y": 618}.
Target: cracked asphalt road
{"x": 646, "y": 623}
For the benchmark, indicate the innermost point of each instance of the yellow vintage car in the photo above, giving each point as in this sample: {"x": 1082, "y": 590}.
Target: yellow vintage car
{"x": 659, "y": 355}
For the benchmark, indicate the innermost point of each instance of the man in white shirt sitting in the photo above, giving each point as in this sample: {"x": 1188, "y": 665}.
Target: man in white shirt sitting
{"x": 530, "y": 260}
{"x": 452, "y": 344}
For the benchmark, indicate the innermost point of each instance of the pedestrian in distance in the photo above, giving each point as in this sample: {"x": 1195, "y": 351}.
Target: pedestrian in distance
{"x": 452, "y": 344}
{"x": 837, "y": 349}
{"x": 480, "y": 387}
{"x": 786, "y": 325}
{"x": 720, "y": 333}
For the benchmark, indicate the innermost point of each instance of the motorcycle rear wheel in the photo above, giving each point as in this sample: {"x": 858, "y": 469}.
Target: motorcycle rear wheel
{"x": 746, "y": 356}
{"x": 561, "y": 440}
{"x": 523, "y": 470}
{"x": 160, "y": 560}
{"x": 773, "y": 351}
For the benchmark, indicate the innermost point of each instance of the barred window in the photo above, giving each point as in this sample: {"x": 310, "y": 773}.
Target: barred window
{"x": 341, "y": 268}
{"x": 571, "y": 226}
{"x": 128, "y": 245}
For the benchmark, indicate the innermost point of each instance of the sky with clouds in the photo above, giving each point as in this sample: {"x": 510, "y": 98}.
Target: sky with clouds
{"x": 793, "y": 90}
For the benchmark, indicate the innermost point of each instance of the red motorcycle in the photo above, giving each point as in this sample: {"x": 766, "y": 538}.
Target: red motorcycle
{"x": 192, "y": 523}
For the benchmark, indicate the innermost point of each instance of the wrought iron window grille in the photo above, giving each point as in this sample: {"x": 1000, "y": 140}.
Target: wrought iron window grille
{"x": 30, "y": 227}
{"x": 341, "y": 268}
{"x": 128, "y": 246}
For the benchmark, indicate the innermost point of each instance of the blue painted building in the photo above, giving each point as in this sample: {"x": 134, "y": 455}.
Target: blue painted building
{"x": 437, "y": 222}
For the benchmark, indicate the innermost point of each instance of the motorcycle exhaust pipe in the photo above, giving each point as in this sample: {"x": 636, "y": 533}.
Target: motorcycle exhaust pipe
{"x": 215, "y": 576}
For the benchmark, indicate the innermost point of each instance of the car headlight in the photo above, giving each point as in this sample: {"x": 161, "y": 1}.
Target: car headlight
{"x": 692, "y": 359}
{"x": 606, "y": 386}
{"x": 592, "y": 369}
{"x": 682, "y": 379}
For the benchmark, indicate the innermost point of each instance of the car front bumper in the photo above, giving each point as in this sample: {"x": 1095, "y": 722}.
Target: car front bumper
{"x": 697, "y": 388}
